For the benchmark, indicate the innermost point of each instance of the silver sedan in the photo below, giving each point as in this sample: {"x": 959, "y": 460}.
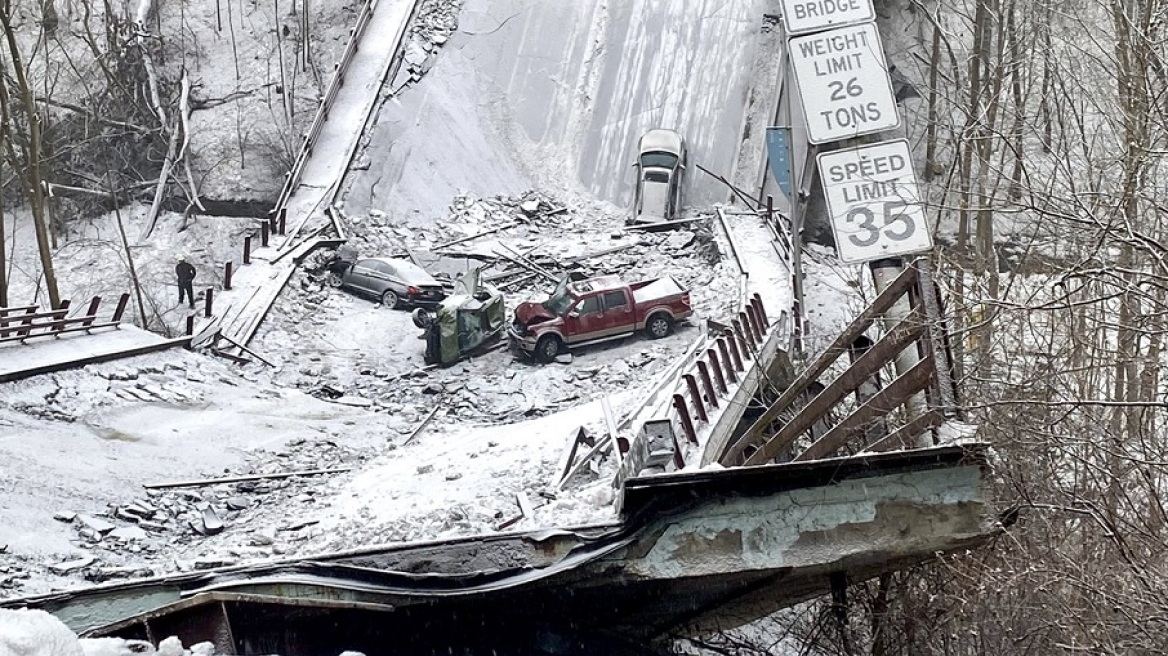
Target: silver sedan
{"x": 395, "y": 282}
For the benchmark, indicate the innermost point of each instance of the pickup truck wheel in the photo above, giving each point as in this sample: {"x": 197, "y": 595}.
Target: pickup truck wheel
{"x": 389, "y": 299}
{"x": 547, "y": 348}
{"x": 334, "y": 280}
{"x": 658, "y": 326}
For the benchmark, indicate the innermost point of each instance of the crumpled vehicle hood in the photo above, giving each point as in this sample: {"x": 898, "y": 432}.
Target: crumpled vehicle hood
{"x": 532, "y": 313}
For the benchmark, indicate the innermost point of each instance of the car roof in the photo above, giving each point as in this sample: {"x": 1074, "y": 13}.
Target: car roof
{"x": 403, "y": 266}
{"x": 661, "y": 139}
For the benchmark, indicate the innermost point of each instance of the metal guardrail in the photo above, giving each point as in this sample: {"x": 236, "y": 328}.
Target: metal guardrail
{"x": 292, "y": 178}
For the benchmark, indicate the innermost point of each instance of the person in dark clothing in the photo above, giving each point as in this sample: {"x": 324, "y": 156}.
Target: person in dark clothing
{"x": 185, "y": 272}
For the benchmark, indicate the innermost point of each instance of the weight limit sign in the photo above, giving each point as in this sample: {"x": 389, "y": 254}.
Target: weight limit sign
{"x": 874, "y": 202}
{"x": 843, "y": 83}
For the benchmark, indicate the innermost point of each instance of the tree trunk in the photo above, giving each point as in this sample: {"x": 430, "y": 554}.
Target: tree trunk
{"x": 32, "y": 173}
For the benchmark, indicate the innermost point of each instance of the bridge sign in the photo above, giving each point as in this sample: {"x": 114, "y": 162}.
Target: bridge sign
{"x": 843, "y": 83}
{"x": 803, "y": 16}
{"x": 874, "y": 202}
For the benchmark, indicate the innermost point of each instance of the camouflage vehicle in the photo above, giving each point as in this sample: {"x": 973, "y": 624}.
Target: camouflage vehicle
{"x": 466, "y": 322}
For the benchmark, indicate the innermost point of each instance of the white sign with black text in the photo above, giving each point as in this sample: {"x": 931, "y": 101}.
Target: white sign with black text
{"x": 803, "y": 16}
{"x": 843, "y": 83}
{"x": 874, "y": 202}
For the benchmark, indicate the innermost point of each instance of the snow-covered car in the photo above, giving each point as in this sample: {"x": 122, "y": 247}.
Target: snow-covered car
{"x": 395, "y": 282}
{"x": 660, "y": 166}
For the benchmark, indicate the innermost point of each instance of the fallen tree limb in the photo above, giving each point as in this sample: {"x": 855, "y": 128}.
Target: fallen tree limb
{"x": 251, "y": 477}
{"x": 245, "y": 349}
{"x": 475, "y": 236}
{"x": 421, "y": 425}
{"x": 184, "y": 112}
{"x": 662, "y": 224}
{"x": 94, "y": 117}
{"x": 735, "y": 190}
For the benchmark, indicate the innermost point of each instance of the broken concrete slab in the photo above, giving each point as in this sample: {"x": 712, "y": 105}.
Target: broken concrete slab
{"x": 98, "y": 525}
{"x": 72, "y": 565}
{"x": 127, "y": 533}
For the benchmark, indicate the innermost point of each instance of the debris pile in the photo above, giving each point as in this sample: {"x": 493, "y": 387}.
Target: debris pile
{"x": 127, "y": 538}
{"x": 435, "y": 21}
{"x": 524, "y": 244}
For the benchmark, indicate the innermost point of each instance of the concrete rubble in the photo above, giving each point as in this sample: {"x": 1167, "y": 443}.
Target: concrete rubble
{"x": 553, "y": 234}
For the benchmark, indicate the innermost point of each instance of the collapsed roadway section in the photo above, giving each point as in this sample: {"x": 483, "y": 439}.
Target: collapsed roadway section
{"x": 692, "y": 552}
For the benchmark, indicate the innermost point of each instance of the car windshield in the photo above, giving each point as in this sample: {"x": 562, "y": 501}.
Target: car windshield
{"x": 560, "y": 300}
{"x": 663, "y": 160}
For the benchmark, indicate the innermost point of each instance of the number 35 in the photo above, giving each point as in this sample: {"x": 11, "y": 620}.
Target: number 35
{"x": 870, "y": 233}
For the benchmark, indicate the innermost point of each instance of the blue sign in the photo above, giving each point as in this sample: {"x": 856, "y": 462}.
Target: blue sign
{"x": 778, "y": 143}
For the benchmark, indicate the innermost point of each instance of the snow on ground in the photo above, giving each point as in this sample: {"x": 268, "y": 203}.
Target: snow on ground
{"x": 105, "y": 430}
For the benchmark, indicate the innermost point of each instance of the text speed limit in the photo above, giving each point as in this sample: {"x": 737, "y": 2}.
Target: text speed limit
{"x": 874, "y": 202}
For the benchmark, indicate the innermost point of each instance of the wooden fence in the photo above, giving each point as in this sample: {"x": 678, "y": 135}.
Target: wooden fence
{"x": 26, "y": 322}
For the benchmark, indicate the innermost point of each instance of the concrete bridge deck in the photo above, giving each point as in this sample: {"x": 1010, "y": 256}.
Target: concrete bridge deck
{"x": 691, "y": 551}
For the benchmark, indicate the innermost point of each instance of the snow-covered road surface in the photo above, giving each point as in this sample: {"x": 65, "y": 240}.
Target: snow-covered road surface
{"x": 553, "y": 96}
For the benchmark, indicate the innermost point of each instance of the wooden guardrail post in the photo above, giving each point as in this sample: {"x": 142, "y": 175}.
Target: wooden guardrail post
{"x": 751, "y": 327}
{"x": 190, "y": 324}
{"x": 691, "y": 383}
{"x": 687, "y": 424}
{"x": 208, "y": 300}
{"x": 753, "y": 331}
{"x": 704, "y": 374}
{"x": 732, "y": 343}
{"x": 90, "y": 312}
{"x": 756, "y": 303}
{"x": 770, "y": 209}
{"x": 247, "y": 249}
{"x": 227, "y": 276}
{"x": 264, "y": 227}
{"x": 121, "y": 308}
{"x": 716, "y": 365}
{"x": 740, "y": 338}
{"x": 283, "y": 220}
{"x": 724, "y": 351}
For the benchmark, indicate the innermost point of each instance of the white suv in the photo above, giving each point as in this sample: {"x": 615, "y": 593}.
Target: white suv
{"x": 660, "y": 164}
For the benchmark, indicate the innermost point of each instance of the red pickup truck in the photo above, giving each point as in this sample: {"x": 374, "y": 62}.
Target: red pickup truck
{"x": 596, "y": 310}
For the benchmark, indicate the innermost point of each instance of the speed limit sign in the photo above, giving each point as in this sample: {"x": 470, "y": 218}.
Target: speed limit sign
{"x": 874, "y": 202}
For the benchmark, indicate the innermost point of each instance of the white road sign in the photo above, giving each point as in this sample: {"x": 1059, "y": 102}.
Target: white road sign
{"x": 803, "y": 16}
{"x": 874, "y": 202}
{"x": 843, "y": 83}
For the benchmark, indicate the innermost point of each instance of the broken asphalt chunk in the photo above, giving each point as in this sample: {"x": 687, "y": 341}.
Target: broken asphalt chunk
{"x": 238, "y": 503}
{"x": 98, "y": 525}
{"x": 212, "y": 524}
{"x": 128, "y": 533}
{"x": 72, "y": 565}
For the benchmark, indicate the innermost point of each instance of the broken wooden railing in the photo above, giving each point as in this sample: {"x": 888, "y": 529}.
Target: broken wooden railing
{"x": 802, "y": 409}
{"x": 20, "y": 324}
